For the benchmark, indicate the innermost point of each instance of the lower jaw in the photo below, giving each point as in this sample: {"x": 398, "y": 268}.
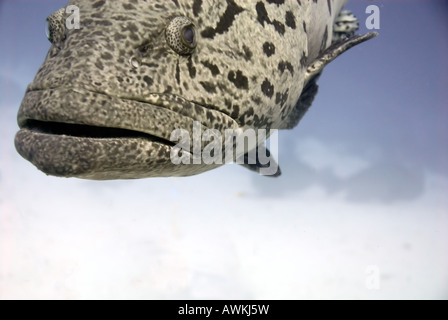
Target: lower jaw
{"x": 100, "y": 158}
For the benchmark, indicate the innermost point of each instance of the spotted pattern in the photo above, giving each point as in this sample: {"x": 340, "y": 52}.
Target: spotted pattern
{"x": 238, "y": 79}
{"x": 132, "y": 65}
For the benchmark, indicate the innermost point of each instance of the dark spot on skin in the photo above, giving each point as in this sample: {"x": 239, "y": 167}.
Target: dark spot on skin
{"x": 239, "y": 80}
{"x": 144, "y": 47}
{"x": 98, "y": 4}
{"x": 148, "y": 80}
{"x": 279, "y": 27}
{"x": 105, "y": 23}
{"x": 208, "y": 33}
{"x": 281, "y": 98}
{"x": 106, "y": 56}
{"x": 247, "y": 53}
{"x": 128, "y": 6}
{"x": 268, "y": 48}
{"x": 285, "y": 65}
{"x": 235, "y": 112}
{"x": 191, "y": 68}
{"x": 66, "y": 54}
{"x": 162, "y": 153}
{"x": 261, "y": 122}
{"x": 225, "y": 22}
{"x": 278, "y": 97}
{"x": 177, "y": 73}
{"x": 323, "y": 45}
{"x": 208, "y": 86}
{"x": 198, "y": 109}
{"x": 99, "y": 65}
{"x": 249, "y": 113}
{"x": 277, "y": 2}
{"x": 212, "y": 67}
{"x": 132, "y": 28}
{"x": 256, "y": 100}
{"x": 120, "y": 79}
{"x": 290, "y": 20}
{"x": 262, "y": 17}
{"x": 262, "y": 14}
{"x": 197, "y": 7}
{"x": 119, "y": 37}
{"x": 329, "y": 6}
{"x": 210, "y": 116}
{"x": 267, "y": 88}
{"x": 304, "y": 27}
{"x": 303, "y": 59}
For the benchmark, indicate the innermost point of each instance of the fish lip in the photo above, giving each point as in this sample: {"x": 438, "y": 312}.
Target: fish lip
{"x": 99, "y": 159}
{"x": 150, "y": 99}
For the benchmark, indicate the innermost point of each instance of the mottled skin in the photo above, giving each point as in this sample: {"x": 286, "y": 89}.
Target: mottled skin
{"x": 254, "y": 65}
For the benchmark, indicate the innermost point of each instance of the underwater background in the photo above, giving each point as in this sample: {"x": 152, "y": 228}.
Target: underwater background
{"x": 360, "y": 211}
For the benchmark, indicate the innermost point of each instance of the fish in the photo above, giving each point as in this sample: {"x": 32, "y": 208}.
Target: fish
{"x": 114, "y": 88}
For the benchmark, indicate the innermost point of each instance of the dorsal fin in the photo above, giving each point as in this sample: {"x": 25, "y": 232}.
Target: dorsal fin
{"x": 334, "y": 51}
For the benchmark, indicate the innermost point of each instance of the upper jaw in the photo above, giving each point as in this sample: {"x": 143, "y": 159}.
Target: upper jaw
{"x": 156, "y": 115}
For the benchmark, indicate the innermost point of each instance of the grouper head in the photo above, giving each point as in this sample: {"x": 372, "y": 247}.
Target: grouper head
{"x": 113, "y": 88}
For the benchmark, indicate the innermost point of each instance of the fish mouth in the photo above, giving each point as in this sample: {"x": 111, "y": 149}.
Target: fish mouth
{"x": 87, "y": 131}
{"x": 72, "y": 132}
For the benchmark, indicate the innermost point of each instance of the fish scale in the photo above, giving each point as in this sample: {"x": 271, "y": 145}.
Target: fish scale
{"x": 155, "y": 66}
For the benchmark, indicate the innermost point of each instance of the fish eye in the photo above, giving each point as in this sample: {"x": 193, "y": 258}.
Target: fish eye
{"x": 48, "y": 32}
{"x": 188, "y": 36}
{"x": 180, "y": 35}
{"x": 55, "y": 26}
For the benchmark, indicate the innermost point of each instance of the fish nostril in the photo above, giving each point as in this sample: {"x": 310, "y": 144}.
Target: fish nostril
{"x": 134, "y": 62}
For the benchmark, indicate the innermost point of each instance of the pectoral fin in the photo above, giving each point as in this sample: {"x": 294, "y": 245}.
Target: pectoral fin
{"x": 252, "y": 161}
